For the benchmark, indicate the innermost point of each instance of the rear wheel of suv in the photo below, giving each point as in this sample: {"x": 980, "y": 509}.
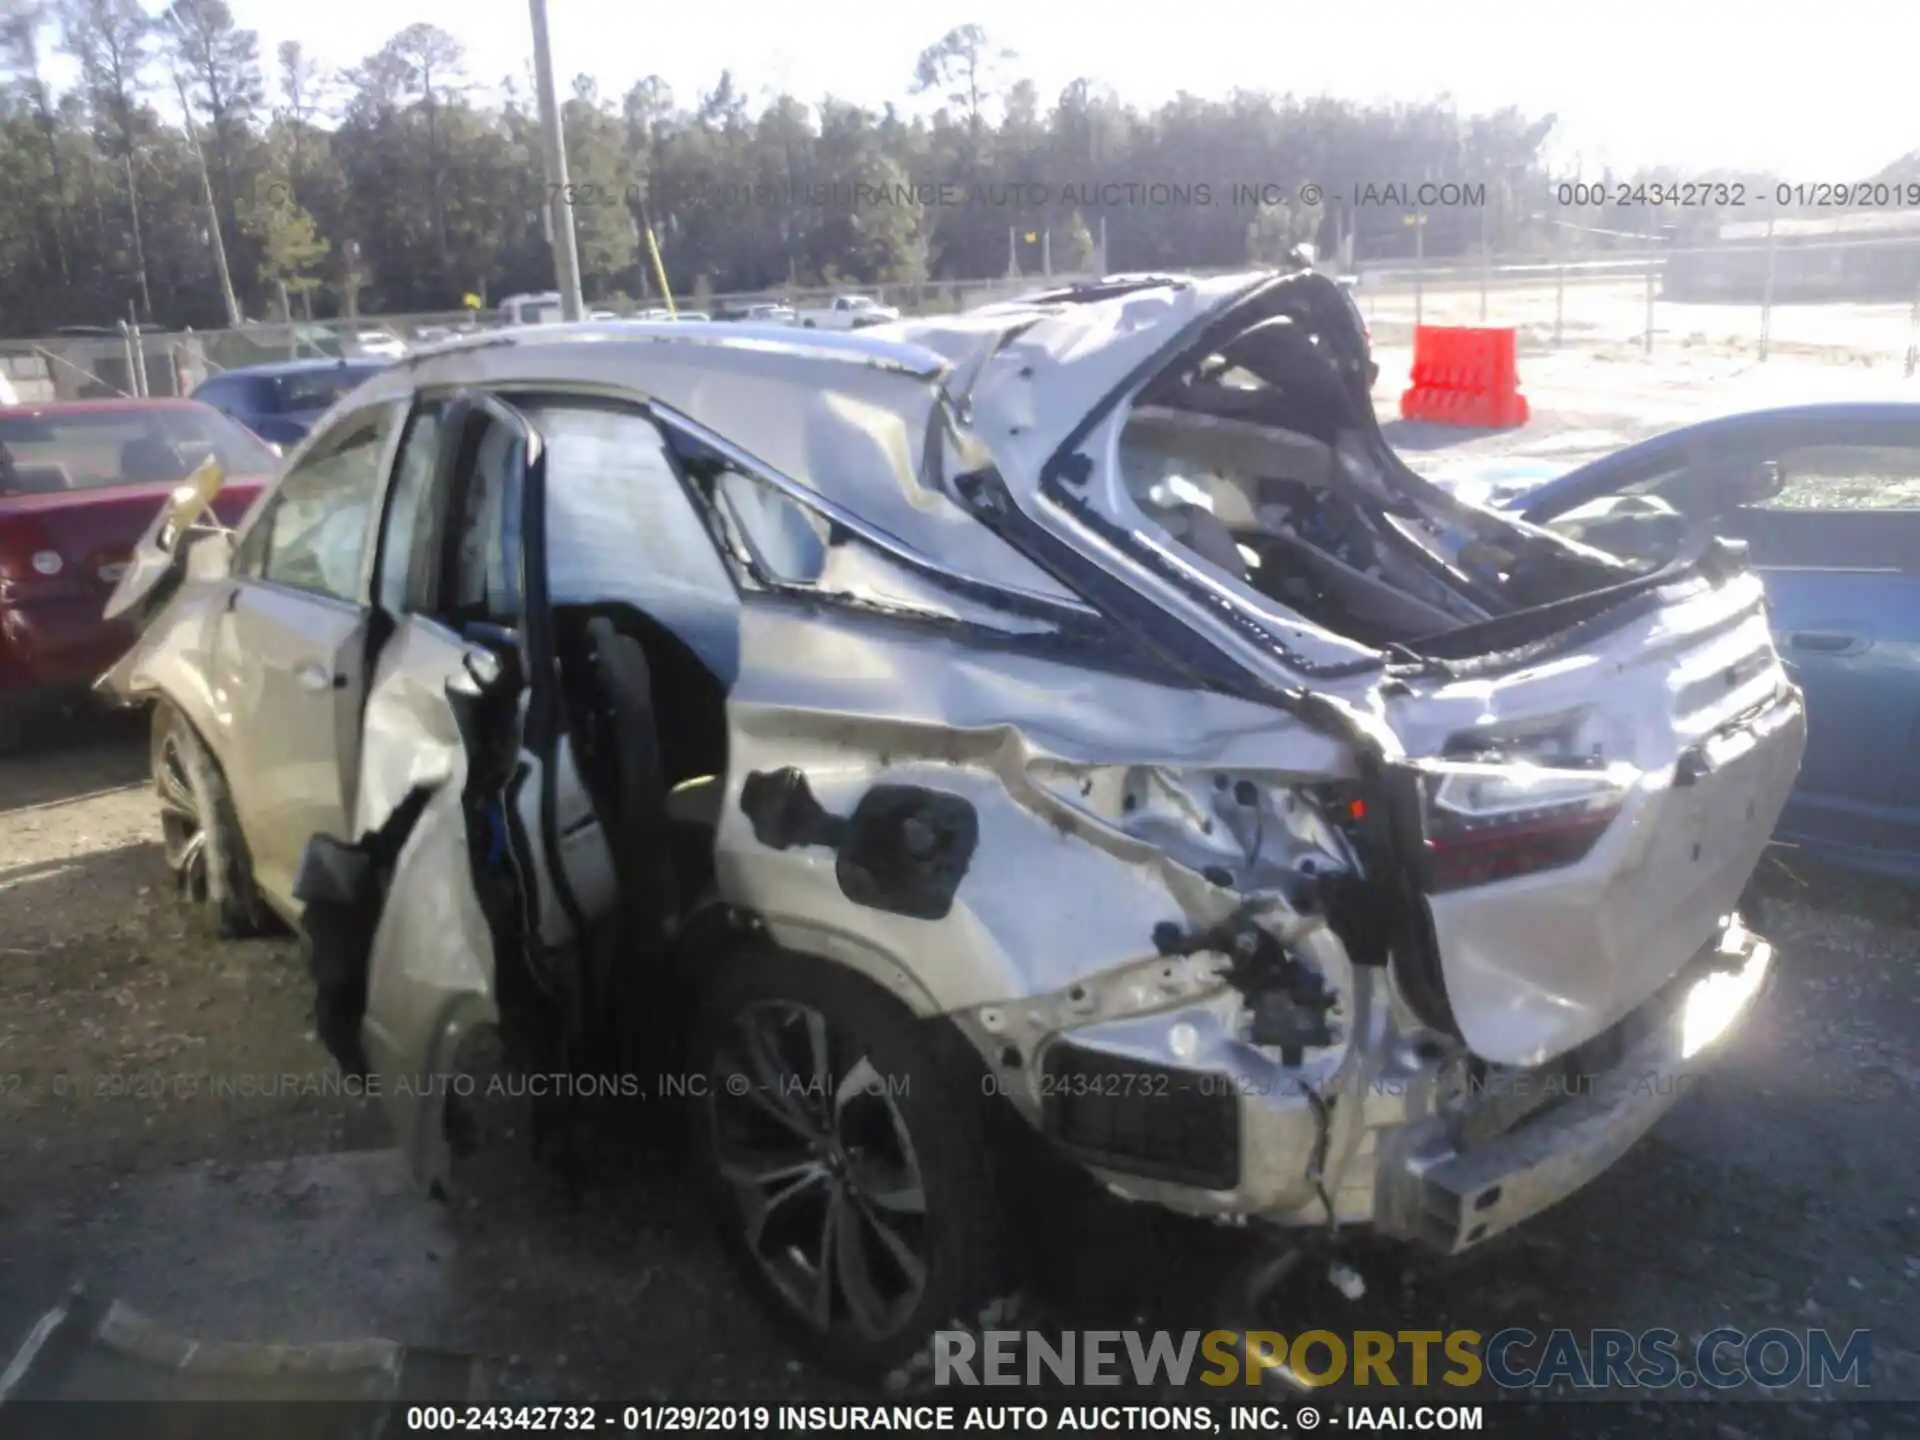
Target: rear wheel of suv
{"x": 847, "y": 1144}
{"x": 204, "y": 847}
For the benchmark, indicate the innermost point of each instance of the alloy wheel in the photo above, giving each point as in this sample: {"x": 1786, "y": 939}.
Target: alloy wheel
{"x": 182, "y": 824}
{"x": 811, "y": 1141}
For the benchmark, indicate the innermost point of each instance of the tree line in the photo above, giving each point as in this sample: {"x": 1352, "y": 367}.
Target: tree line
{"x": 403, "y": 184}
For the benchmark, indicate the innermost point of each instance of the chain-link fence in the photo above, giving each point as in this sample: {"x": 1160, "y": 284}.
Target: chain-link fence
{"x": 104, "y": 362}
{"x": 1817, "y": 293}
{"x": 1824, "y": 296}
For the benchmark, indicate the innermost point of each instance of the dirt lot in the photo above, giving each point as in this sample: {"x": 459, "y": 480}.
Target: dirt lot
{"x": 1782, "y": 1191}
{"x": 120, "y": 1005}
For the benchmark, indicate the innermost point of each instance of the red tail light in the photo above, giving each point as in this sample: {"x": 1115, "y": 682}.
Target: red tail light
{"x": 1486, "y": 823}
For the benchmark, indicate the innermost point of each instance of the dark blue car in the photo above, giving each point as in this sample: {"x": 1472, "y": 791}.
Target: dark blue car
{"x": 280, "y": 402}
{"x": 1827, "y": 498}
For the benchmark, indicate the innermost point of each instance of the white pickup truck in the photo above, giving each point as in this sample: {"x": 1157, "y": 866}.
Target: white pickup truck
{"x": 847, "y": 312}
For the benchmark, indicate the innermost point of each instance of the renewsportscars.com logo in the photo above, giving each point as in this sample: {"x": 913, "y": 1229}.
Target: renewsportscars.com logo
{"x": 1513, "y": 1359}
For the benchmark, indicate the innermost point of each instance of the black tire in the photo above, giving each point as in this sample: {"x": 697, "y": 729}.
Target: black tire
{"x": 933, "y": 1084}
{"x": 205, "y": 850}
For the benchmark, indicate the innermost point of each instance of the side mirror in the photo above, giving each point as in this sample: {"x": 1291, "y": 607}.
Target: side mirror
{"x": 190, "y": 500}
{"x": 167, "y": 549}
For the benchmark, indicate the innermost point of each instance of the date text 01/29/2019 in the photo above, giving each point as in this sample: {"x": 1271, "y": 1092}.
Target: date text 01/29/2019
{"x": 1737, "y": 195}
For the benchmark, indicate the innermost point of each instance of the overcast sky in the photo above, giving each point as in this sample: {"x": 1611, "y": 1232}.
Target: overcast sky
{"x": 1813, "y": 91}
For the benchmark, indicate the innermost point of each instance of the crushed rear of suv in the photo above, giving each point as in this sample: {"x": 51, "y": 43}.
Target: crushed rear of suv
{"x": 1070, "y": 711}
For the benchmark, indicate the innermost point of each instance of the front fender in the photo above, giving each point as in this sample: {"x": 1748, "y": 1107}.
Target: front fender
{"x": 126, "y": 683}
{"x": 170, "y": 659}
{"x": 168, "y": 594}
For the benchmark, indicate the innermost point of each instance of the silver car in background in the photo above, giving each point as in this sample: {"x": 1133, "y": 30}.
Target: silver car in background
{"x": 1069, "y": 715}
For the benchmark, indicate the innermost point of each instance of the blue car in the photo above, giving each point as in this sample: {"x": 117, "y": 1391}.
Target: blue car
{"x": 280, "y": 403}
{"x": 1827, "y": 499}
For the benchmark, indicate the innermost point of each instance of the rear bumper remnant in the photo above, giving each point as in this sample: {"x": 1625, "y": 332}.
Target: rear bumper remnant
{"x": 1449, "y": 1195}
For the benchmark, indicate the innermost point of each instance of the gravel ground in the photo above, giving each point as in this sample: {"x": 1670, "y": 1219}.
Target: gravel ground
{"x": 119, "y": 1008}
{"x": 1782, "y": 1191}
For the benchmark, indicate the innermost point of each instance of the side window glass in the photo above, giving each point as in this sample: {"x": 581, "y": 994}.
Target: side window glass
{"x": 617, "y": 513}
{"x": 481, "y": 578}
{"x": 394, "y": 590}
{"x": 1848, "y": 477}
{"x": 787, "y": 541}
{"x": 313, "y": 535}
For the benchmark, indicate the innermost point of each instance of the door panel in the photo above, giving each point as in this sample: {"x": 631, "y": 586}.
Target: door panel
{"x": 287, "y": 680}
{"x": 481, "y": 917}
{"x": 409, "y": 738}
{"x": 1839, "y": 550}
{"x": 431, "y": 963}
{"x": 289, "y": 652}
{"x": 1851, "y": 641}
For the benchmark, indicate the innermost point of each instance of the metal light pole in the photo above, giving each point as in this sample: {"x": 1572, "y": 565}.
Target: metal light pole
{"x": 1485, "y": 262}
{"x": 1766, "y": 298}
{"x": 1652, "y": 270}
{"x": 139, "y": 342}
{"x": 129, "y": 341}
{"x": 1913, "y": 336}
{"x": 234, "y": 318}
{"x": 1559, "y": 281}
{"x": 350, "y": 300}
{"x": 566, "y": 252}
{"x": 1419, "y": 224}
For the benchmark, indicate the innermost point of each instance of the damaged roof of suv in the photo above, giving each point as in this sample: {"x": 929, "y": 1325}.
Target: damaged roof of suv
{"x": 957, "y": 719}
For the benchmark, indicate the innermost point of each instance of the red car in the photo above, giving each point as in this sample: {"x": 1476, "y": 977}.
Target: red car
{"x": 78, "y": 484}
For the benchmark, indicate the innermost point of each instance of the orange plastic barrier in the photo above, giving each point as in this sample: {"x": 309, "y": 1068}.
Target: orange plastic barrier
{"x": 1465, "y": 376}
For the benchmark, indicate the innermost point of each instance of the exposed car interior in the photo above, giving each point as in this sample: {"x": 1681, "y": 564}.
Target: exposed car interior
{"x": 1248, "y": 462}
{"x": 643, "y": 718}
{"x": 1262, "y": 461}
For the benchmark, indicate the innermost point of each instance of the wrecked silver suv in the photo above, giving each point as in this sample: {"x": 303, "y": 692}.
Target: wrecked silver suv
{"x": 1071, "y": 710}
